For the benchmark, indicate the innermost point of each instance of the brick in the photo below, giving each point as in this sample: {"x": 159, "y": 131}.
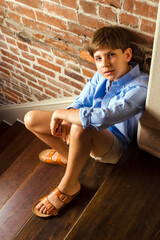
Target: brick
{"x": 61, "y": 45}
{"x": 87, "y": 73}
{"x": 70, "y": 83}
{"x": 7, "y": 31}
{"x": 88, "y": 65}
{"x": 146, "y": 10}
{"x": 10, "y": 96}
{"x": 42, "y": 46}
{"x": 31, "y": 3}
{"x": 14, "y": 50}
{"x": 71, "y": 4}
{"x": 2, "y": 12}
{"x": 88, "y": 7}
{"x": 60, "y": 62}
{"x": 66, "y": 36}
{"x": 64, "y": 56}
{"x": 10, "y": 55}
{"x": 60, "y": 11}
{"x": 11, "y": 41}
{"x": 51, "y": 93}
{"x": 113, "y": 3}
{"x": 34, "y": 51}
{"x": 43, "y": 70}
{"x": 3, "y": 3}
{"x": 24, "y": 61}
{"x": 86, "y": 56}
{"x": 48, "y": 65}
{"x": 1, "y": 20}
{"x": 23, "y": 11}
{"x": 47, "y": 56}
{"x": 107, "y": 13}
{"x": 65, "y": 94}
{"x": 36, "y": 26}
{"x": 128, "y": 5}
{"x": 18, "y": 77}
{"x": 80, "y": 30}
{"x": 73, "y": 67}
{"x": 148, "y": 26}
{"x": 90, "y": 21}
{"x": 38, "y": 36}
{"x": 53, "y": 21}
{"x": 35, "y": 86}
{"x": 60, "y": 85}
{"x": 28, "y": 56}
{"x": 141, "y": 38}
{"x": 33, "y": 73}
{"x": 2, "y": 37}
{"x": 3, "y": 45}
{"x": 74, "y": 76}
{"x": 27, "y": 76}
{"x": 14, "y": 26}
{"x": 128, "y": 20}
{"x": 11, "y": 62}
{"x": 22, "y": 46}
{"x": 14, "y": 16}
{"x": 6, "y": 65}
{"x": 47, "y": 85}
{"x": 141, "y": 8}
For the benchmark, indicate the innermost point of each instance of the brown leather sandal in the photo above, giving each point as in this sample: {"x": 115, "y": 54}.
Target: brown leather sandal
{"x": 53, "y": 211}
{"x": 49, "y": 159}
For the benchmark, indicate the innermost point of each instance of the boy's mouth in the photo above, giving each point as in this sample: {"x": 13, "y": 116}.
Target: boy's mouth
{"x": 108, "y": 73}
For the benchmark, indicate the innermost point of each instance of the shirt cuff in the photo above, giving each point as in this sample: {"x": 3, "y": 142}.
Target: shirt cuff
{"x": 85, "y": 117}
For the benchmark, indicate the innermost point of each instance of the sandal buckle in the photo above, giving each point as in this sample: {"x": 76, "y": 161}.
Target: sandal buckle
{"x": 62, "y": 198}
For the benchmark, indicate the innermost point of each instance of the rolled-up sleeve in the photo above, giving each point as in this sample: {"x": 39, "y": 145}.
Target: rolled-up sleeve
{"x": 116, "y": 111}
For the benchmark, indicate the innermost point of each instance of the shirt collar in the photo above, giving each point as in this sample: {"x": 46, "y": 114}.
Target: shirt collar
{"x": 134, "y": 72}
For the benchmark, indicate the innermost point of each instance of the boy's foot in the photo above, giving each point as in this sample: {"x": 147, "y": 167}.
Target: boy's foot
{"x": 52, "y": 157}
{"x": 52, "y": 203}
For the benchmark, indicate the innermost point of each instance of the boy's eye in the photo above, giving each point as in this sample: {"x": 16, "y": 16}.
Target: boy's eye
{"x": 111, "y": 54}
{"x": 98, "y": 58}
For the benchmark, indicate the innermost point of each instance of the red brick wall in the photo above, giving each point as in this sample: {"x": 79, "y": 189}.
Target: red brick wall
{"x": 42, "y": 43}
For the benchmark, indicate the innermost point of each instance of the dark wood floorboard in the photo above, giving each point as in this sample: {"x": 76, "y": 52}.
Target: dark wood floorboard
{"x": 9, "y": 155}
{"x": 14, "y": 176}
{"x": 57, "y": 227}
{"x": 3, "y": 127}
{"x": 8, "y": 136}
{"x": 127, "y": 206}
{"x": 17, "y": 210}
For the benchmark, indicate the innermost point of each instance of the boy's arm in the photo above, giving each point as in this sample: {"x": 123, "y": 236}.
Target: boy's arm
{"x": 70, "y": 115}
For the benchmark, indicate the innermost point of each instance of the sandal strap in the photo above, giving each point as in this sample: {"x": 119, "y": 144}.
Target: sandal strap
{"x": 58, "y": 159}
{"x": 49, "y": 206}
{"x": 64, "y": 198}
{"x": 51, "y": 152}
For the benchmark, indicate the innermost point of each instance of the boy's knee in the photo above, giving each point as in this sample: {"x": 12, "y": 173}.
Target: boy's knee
{"x": 29, "y": 119}
{"x": 77, "y": 131}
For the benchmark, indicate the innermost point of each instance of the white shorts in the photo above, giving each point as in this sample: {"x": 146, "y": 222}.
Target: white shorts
{"x": 114, "y": 155}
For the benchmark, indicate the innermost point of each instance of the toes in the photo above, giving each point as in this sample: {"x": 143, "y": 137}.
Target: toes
{"x": 39, "y": 205}
{"x": 42, "y": 208}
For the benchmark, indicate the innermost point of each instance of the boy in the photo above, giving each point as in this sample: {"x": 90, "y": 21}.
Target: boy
{"x": 101, "y": 122}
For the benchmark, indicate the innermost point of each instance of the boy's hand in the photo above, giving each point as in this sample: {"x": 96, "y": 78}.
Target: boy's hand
{"x": 65, "y": 130}
{"x": 60, "y": 128}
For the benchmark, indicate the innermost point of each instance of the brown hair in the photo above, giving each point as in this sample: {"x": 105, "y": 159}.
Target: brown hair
{"x": 114, "y": 37}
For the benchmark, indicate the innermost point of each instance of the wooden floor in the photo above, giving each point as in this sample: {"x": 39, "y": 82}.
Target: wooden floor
{"x": 120, "y": 202}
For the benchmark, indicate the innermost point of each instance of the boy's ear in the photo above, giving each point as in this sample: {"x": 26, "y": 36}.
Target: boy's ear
{"x": 128, "y": 53}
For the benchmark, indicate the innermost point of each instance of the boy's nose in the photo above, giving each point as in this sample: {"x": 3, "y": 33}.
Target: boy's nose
{"x": 106, "y": 62}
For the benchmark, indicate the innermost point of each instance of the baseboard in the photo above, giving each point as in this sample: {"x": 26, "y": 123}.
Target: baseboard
{"x": 11, "y": 113}
{"x": 148, "y": 140}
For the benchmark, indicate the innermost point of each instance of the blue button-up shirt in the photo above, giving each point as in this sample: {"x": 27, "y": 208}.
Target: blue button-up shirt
{"x": 118, "y": 108}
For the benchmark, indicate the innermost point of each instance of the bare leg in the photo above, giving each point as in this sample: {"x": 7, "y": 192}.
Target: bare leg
{"x": 38, "y": 122}
{"x": 82, "y": 142}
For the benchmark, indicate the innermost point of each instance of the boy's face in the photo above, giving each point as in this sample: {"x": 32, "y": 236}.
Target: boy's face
{"x": 112, "y": 63}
